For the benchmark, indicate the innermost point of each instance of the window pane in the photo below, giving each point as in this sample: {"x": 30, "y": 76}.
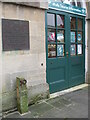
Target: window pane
{"x": 79, "y": 37}
{"x": 73, "y": 37}
{"x": 72, "y": 2}
{"x": 51, "y": 35}
{"x": 79, "y": 24}
{"x": 51, "y": 20}
{"x": 79, "y": 49}
{"x": 73, "y": 23}
{"x": 60, "y": 50}
{"x": 73, "y": 49}
{"x": 60, "y": 21}
{"x": 51, "y": 50}
{"x": 79, "y": 4}
{"x": 60, "y": 36}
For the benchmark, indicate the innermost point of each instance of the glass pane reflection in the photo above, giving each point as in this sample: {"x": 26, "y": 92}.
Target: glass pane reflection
{"x": 60, "y": 50}
{"x": 51, "y": 50}
{"x": 51, "y": 20}
{"x": 60, "y": 21}
{"x": 51, "y": 35}
{"x": 73, "y": 37}
{"x": 60, "y": 36}
{"x": 79, "y": 24}
{"x": 73, "y": 49}
{"x": 79, "y": 49}
{"x": 79, "y": 37}
{"x": 73, "y": 22}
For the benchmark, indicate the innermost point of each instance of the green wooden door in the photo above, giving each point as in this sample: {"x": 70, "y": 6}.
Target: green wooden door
{"x": 64, "y": 50}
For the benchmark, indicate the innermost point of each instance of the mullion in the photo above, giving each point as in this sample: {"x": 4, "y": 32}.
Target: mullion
{"x": 56, "y": 33}
{"x": 76, "y": 36}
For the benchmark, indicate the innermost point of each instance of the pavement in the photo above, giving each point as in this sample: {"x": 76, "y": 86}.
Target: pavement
{"x": 69, "y": 105}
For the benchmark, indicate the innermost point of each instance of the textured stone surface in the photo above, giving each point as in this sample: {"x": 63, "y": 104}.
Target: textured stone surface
{"x": 25, "y": 64}
{"x": 88, "y": 45}
{"x": 33, "y": 3}
{"x": 35, "y": 93}
{"x": 70, "y": 105}
{"x": 22, "y": 95}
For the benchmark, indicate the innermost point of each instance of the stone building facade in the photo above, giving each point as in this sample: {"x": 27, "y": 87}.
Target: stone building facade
{"x": 30, "y": 64}
{"x": 88, "y": 43}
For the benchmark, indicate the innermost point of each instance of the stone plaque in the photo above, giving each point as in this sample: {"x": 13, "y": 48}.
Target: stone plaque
{"x": 15, "y": 35}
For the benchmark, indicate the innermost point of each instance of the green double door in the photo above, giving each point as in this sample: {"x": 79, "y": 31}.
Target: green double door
{"x": 65, "y": 50}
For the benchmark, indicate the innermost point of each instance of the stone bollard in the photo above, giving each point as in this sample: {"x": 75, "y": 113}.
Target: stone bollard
{"x": 22, "y": 95}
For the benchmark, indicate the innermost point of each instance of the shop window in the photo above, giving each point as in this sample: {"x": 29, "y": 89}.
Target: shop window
{"x": 60, "y": 50}
{"x": 60, "y": 21}
{"x": 73, "y": 49}
{"x": 80, "y": 24}
{"x": 79, "y": 37}
{"x": 55, "y": 35}
{"x": 76, "y": 36}
{"x": 60, "y": 36}
{"x": 51, "y": 35}
{"x": 51, "y": 20}
{"x": 73, "y": 22}
{"x": 79, "y": 4}
{"x": 79, "y": 49}
{"x": 73, "y": 36}
{"x": 15, "y": 35}
{"x": 51, "y": 50}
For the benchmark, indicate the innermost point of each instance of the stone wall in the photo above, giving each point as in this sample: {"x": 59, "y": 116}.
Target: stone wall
{"x": 27, "y": 64}
{"x": 35, "y": 3}
{"x": 88, "y": 43}
{"x": 0, "y": 67}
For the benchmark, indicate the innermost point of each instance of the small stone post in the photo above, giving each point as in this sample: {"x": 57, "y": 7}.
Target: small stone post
{"x": 22, "y": 95}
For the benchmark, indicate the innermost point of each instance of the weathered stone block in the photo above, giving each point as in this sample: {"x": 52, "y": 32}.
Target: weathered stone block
{"x": 22, "y": 96}
{"x": 22, "y": 104}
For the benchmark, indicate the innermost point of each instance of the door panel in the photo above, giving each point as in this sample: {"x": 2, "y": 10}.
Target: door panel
{"x": 65, "y": 50}
{"x": 77, "y": 55}
{"x": 76, "y": 71}
{"x": 57, "y": 74}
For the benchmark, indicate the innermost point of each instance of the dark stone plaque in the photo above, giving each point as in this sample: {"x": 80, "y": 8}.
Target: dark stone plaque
{"x": 15, "y": 35}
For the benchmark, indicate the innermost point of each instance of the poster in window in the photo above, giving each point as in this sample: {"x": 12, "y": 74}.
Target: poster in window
{"x": 51, "y": 50}
{"x": 73, "y": 37}
{"x": 60, "y": 36}
{"x": 79, "y": 37}
{"x": 60, "y": 50}
{"x": 79, "y": 49}
{"x": 51, "y": 36}
{"x": 73, "y": 50}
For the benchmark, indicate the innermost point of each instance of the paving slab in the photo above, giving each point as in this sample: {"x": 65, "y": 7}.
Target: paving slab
{"x": 39, "y": 109}
{"x": 70, "y": 105}
{"x": 59, "y": 102}
{"x": 54, "y": 113}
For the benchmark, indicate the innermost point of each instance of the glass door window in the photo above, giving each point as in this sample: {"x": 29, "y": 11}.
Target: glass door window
{"x": 73, "y": 36}
{"x": 76, "y": 36}
{"x": 55, "y": 35}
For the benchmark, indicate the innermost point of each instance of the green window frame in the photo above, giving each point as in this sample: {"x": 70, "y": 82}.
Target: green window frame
{"x": 57, "y": 45}
{"x": 76, "y": 42}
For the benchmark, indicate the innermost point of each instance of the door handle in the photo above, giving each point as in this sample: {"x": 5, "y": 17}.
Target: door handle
{"x": 67, "y": 53}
